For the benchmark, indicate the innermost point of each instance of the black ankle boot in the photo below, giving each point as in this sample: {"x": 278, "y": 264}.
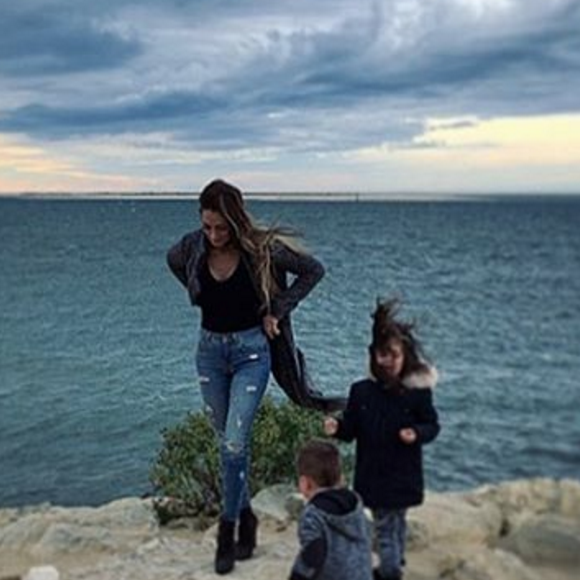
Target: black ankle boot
{"x": 225, "y": 555}
{"x": 247, "y": 533}
{"x": 378, "y": 576}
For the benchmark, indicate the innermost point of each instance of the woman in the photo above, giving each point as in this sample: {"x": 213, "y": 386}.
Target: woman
{"x": 235, "y": 272}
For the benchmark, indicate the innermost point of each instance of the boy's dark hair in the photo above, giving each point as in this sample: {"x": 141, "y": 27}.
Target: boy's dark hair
{"x": 320, "y": 460}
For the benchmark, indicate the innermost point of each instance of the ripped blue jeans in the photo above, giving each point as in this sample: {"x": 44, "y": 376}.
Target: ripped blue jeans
{"x": 233, "y": 370}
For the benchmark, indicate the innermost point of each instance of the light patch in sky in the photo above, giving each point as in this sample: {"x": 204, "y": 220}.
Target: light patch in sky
{"x": 21, "y": 158}
{"x": 26, "y": 167}
{"x": 481, "y": 7}
{"x": 466, "y": 155}
{"x": 504, "y": 142}
{"x": 508, "y": 142}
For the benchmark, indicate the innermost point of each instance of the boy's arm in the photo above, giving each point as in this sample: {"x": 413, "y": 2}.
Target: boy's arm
{"x": 312, "y": 556}
{"x": 427, "y": 421}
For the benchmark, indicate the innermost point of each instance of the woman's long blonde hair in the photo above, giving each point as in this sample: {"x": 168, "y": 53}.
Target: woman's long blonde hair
{"x": 227, "y": 200}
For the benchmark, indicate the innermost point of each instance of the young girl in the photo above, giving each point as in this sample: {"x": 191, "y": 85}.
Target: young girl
{"x": 391, "y": 415}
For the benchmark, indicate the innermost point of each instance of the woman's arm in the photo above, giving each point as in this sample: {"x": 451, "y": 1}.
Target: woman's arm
{"x": 307, "y": 270}
{"x": 177, "y": 259}
{"x": 179, "y": 255}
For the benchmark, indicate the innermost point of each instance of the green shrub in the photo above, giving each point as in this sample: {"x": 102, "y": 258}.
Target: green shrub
{"x": 187, "y": 470}
{"x": 187, "y": 467}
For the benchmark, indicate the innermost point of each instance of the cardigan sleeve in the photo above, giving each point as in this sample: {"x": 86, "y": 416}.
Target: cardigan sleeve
{"x": 177, "y": 258}
{"x": 307, "y": 271}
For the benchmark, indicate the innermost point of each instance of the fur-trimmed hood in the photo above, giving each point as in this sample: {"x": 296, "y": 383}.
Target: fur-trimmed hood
{"x": 424, "y": 379}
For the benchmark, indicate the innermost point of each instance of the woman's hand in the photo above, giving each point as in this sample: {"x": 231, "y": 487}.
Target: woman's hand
{"x": 330, "y": 426}
{"x": 270, "y": 324}
{"x": 408, "y": 435}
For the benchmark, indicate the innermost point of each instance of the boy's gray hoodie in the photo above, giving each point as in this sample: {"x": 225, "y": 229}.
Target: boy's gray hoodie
{"x": 334, "y": 538}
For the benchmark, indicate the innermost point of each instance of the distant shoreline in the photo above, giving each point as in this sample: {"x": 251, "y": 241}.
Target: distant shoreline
{"x": 298, "y": 196}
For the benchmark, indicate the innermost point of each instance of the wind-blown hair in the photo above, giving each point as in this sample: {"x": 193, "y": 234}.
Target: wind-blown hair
{"x": 256, "y": 241}
{"x": 386, "y": 327}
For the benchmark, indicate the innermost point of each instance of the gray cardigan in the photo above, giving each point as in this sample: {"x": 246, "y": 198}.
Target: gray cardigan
{"x": 288, "y": 364}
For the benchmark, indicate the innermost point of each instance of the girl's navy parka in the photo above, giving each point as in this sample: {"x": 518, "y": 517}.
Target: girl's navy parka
{"x": 388, "y": 472}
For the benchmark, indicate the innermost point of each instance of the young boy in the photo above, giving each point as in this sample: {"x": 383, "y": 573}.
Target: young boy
{"x": 333, "y": 531}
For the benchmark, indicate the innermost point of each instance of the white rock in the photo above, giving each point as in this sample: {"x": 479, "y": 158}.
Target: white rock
{"x": 42, "y": 573}
{"x": 456, "y": 536}
{"x": 546, "y": 539}
{"x": 271, "y": 502}
{"x": 22, "y": 533}
{"x": 570, "y": 498}
{"x": 519, "y": 499}
{"x": 496, "y": 565}
{"x": 451, "y": 518}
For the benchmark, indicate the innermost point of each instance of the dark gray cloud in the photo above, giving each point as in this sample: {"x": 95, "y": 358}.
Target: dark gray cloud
{"x": 59, "y": 40}
{"x": 144, "y": 115}
{"x": 497, "y": 69}
{"x": 312, "y": 76}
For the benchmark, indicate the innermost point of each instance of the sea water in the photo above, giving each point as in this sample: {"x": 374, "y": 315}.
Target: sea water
{"x": 97, "y": 338}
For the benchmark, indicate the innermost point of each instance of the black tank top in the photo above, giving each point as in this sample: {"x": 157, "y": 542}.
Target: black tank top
{"x": 230, "y": 305}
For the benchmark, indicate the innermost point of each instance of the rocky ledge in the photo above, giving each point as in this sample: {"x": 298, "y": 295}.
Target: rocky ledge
{"x": 519, "y": 530}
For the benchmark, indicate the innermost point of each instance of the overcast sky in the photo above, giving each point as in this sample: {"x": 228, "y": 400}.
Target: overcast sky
{"x": 290, "y": 95}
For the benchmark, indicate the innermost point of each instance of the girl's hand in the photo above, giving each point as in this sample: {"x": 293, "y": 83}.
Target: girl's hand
{"x": 330, "y": 426}
{"x": 270, "y": 324}
{"x": 408, "y": 435}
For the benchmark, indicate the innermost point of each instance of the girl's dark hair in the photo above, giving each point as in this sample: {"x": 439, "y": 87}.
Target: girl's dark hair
{"x": 386, "y": 327}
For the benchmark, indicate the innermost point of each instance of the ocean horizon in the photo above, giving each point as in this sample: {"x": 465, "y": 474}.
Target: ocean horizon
{"x": 305, "y": 196}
